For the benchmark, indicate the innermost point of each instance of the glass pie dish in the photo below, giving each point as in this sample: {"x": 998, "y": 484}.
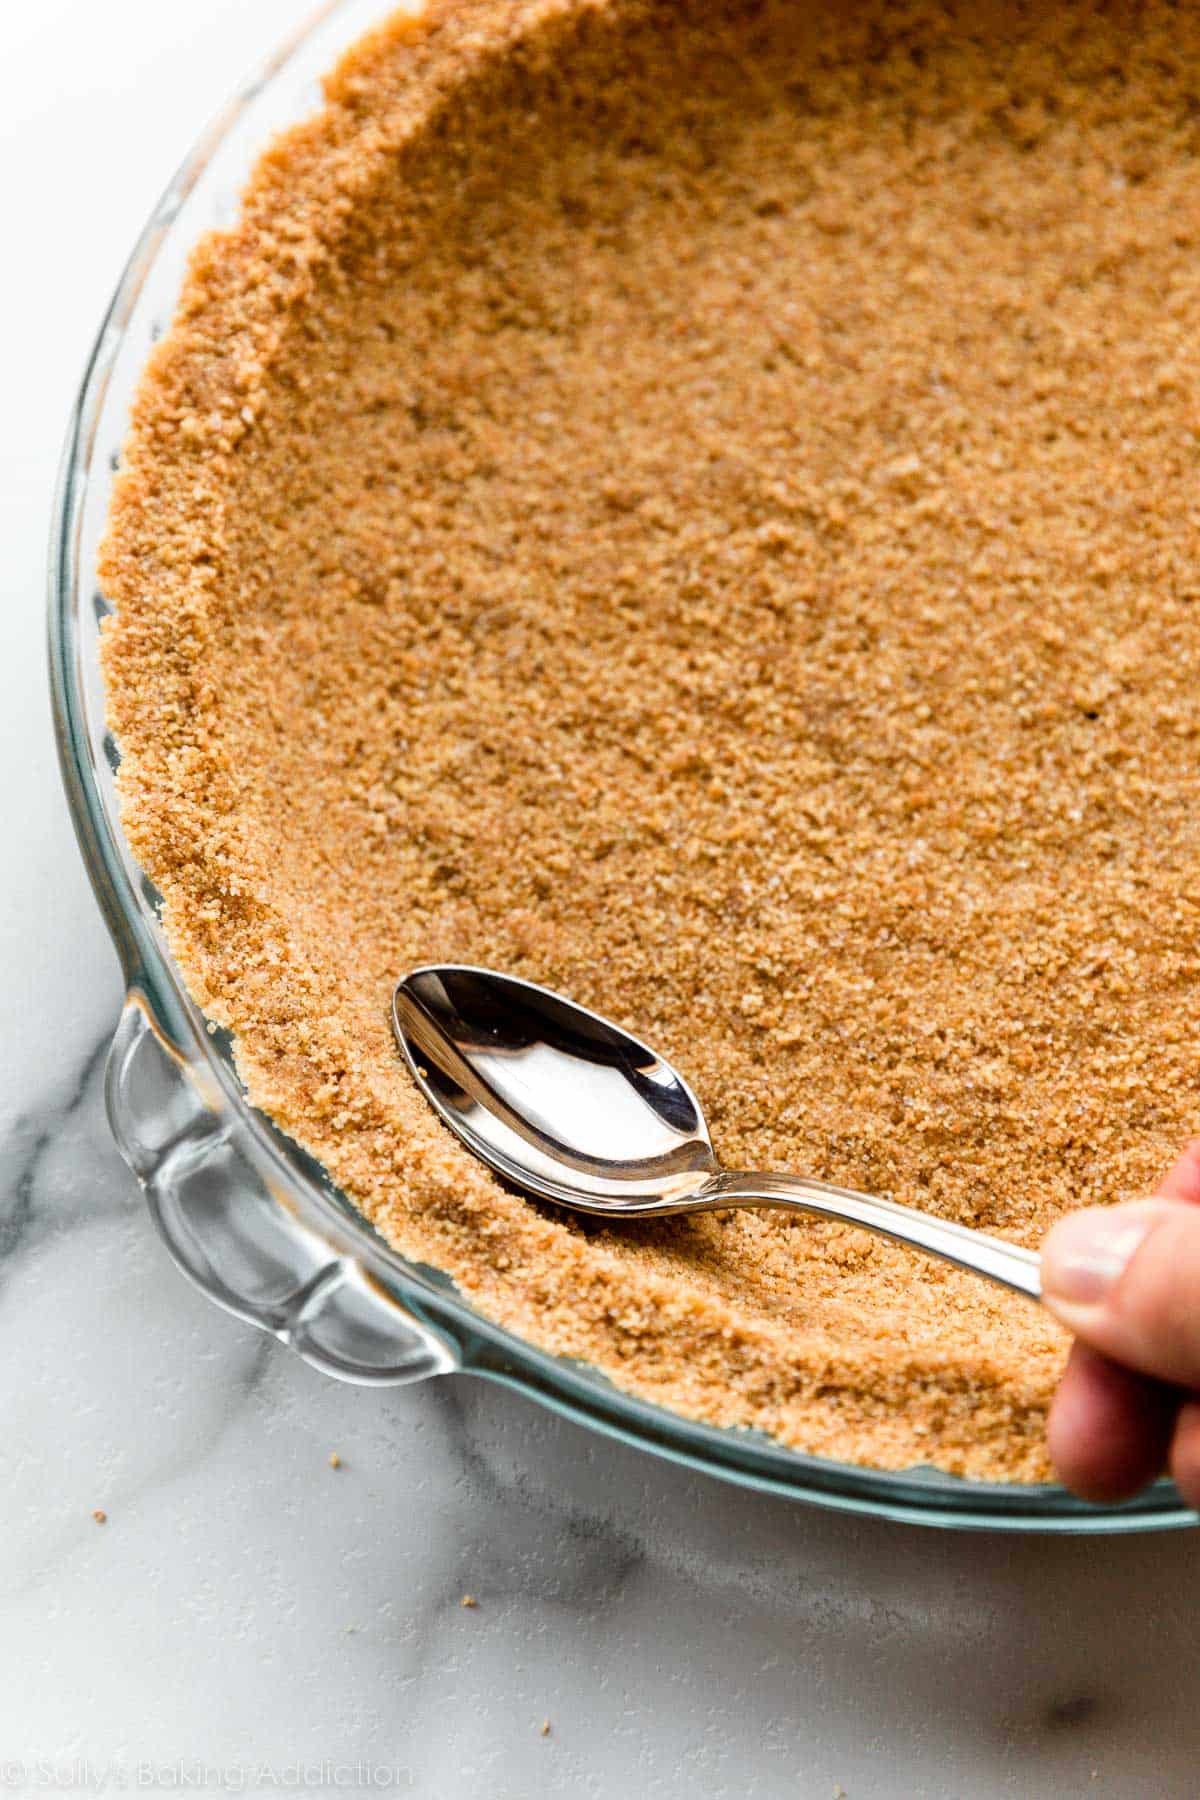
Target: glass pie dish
{"x": 251, "y": 1218}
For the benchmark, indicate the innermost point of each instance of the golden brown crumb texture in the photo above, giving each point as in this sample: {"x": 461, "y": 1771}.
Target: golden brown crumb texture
{"x": 696, "y": 504}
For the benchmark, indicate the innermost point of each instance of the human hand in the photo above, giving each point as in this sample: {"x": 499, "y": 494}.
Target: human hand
{"x": 1126, "y": 1280}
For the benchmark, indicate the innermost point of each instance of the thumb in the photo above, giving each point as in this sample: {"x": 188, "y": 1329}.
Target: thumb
{"x": 1126, "y": 1280}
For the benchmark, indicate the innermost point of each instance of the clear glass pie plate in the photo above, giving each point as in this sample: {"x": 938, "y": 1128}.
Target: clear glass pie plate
{"x": 243, "y": 1210}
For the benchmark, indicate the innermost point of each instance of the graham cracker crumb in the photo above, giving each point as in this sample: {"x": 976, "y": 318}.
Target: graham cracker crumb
{"x": 100, "y": 1516}
{"x": 469, "y": 1600}
{"x": 696, "y": 507}
{"x": 335, "y": 1461}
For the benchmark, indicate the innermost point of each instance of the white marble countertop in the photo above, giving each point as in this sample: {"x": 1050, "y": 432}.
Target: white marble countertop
{"x": 250, "y": 1619}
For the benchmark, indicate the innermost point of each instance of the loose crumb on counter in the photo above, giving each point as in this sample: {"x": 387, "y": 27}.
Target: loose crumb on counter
{"x": 696, "y": 506}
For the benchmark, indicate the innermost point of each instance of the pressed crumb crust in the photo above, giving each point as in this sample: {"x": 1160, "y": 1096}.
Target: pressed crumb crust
{"x": 697, "y": 505}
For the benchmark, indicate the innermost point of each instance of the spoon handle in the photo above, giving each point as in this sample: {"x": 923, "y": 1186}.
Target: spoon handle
{"x": 1009, "y": 1264}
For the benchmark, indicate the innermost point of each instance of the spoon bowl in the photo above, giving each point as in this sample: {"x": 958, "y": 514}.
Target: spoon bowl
{"x": 568, "y": 1106}
{"x": 556, "y": 1098}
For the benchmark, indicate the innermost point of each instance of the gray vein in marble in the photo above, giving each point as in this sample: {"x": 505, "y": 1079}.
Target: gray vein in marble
{"x": 584, "y": 1558}
{"x": 37, "y": 1136}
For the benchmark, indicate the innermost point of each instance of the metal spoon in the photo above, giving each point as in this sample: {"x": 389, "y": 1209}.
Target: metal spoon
{"x": 573, "y": 1109}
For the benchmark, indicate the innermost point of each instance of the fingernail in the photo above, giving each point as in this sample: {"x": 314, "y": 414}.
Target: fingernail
{"x": 1087, "y": 1251}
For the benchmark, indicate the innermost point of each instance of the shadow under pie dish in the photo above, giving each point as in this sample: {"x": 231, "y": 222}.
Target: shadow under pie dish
{"x": 627, "y": 502}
